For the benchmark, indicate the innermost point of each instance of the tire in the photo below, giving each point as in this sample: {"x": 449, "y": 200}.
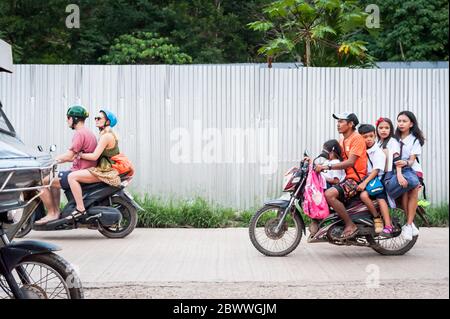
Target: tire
{"x": 253, "y": 227}
{"x": 129, "y": 213}
{"x": 62, "y": 271}
{"x": 403, "y": 249}
{"x": 25, "y": 230}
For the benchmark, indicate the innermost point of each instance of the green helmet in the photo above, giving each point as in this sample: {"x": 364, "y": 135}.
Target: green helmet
{"x": 77, "y": 111}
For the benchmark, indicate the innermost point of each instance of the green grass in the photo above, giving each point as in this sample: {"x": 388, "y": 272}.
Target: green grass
{"x": 199, "y": 213}
{"x": 196, "y": 213}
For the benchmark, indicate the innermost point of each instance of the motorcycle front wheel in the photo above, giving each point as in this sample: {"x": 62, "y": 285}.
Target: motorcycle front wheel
{"x": 44, "y": 276}
{"x": 265, "y": 237}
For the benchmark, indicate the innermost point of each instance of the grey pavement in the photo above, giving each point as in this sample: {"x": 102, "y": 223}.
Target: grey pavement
{"x": 222, "y": 263}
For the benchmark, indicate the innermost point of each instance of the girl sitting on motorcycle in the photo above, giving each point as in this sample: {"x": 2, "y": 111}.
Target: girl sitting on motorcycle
{"x": 333, "y": 154}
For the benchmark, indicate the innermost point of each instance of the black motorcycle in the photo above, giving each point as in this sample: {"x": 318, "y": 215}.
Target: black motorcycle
{"x": 110, "y": 210}
{"x": 277, "y": 228}
{"x": 31, "y": 269}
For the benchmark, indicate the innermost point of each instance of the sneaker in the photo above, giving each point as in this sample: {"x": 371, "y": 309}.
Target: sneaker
{"x": 415, "y": 230}
{"x": 407, "y": 232}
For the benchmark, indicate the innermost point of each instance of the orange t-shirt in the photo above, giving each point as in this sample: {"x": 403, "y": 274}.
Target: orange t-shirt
{"x": 355, "y": 145}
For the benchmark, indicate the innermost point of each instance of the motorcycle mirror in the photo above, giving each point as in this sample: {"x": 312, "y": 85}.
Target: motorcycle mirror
{"x": 52, "y": 148}
{"x": 40, "y": 148}
{"x": 306, "y": 153}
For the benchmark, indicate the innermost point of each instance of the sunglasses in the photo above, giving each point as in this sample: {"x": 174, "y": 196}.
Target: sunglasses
{"x": 98, "y": 118}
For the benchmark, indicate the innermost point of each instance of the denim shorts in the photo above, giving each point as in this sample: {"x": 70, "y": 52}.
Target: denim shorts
{"x": 63, "y": 175}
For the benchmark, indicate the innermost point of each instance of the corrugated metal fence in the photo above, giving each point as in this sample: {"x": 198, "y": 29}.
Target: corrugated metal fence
{"x": 226, "y": 132}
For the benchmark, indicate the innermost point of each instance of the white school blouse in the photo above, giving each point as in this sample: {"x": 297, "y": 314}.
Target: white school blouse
{"x": 411, "y": 146}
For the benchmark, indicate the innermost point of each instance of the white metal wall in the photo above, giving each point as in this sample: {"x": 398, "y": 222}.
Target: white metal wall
{"x": 152, "y": 101}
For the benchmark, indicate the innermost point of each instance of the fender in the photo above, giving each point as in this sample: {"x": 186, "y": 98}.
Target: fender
{"x": 15, "y": 252}
{"x": 129, "y": 198}
{"x": 281, "y": 203}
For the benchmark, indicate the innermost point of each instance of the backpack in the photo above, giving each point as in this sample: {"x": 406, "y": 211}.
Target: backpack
{"x": 314, "y": 202}
{"x": 122, "y": 164}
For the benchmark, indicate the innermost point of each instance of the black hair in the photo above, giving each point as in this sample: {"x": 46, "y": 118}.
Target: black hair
{"x": 415, "y": 130}
{"x": 333, "y": 146}
{"x": 76, "y": 120}
{"x": 354, "y": 124}
{"x": 366, "y": 128}
{"x": 391, "y": 131}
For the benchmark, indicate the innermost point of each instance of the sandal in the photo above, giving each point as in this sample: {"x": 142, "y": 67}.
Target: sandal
{"x": 76, "y": 214}
{"x": 387, "y": 231}
{"x": 378, "y": 224}
{"x": 44, "y": 220}
{"x": 351, "y": 235}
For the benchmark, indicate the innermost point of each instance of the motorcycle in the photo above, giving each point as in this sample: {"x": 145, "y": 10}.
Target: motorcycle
{"x": 110, "y": 210}
{"x": 32, "y": 269}
{"x": 277, "y": 228}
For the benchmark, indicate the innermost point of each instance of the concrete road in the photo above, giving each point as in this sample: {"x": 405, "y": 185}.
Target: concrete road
{"x": 222, "y": 263}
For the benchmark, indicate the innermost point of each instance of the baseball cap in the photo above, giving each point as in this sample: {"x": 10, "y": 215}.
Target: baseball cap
{"x": 348, "y": 116}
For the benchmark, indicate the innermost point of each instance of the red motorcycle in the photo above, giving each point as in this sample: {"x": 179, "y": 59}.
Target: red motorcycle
{"x": 277, "y": 228}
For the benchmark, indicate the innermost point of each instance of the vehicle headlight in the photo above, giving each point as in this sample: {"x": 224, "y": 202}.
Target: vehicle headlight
{"x": 14, "y": 216}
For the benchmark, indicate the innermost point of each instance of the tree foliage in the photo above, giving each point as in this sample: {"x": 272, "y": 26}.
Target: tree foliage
{"x": 315, "y": 32}
{"x": 411, "y": 30}
{"x": 144, "y": 48}
{"x": 215, "y": 31}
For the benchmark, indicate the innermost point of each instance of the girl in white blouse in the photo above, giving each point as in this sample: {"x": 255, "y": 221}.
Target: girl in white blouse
{"x": 411, "y": 141}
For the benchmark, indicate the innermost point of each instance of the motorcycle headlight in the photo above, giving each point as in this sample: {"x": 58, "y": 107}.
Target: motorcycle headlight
{"x": 14, "y": 216}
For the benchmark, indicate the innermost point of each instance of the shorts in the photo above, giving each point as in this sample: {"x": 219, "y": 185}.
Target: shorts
{"x": 379, "y": 196}
{"x": 347, "y": 190}
{"x": 63, "y": 175}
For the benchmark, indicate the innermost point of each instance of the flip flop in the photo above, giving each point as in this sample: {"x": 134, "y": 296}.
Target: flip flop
{"x": 44, "y": 220}
{"x": 353, "y": 233}
{"x": 75, "y": 214}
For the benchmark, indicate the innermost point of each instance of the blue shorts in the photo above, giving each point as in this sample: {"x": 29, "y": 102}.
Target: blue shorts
{"x": 63, "y": 179}
{"x": 379, "y": 196}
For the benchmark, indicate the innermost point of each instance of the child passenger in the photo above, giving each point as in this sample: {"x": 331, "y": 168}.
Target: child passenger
{"x": 332, "y": 152}
{"x": 375, "y": 169}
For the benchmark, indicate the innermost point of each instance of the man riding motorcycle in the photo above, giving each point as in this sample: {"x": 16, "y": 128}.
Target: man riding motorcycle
{"x": 355, "y": 164}
{"x": 83, "y": 140}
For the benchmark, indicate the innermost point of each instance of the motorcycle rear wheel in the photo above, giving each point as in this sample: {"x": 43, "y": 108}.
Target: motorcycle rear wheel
{"x": 262, "y": 232}
{"x": 126, "y": 225}
{"x": 396, "y": 246}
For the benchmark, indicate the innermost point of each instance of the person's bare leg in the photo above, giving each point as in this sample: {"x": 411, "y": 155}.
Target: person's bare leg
{"x": 48, "y": 201}
{"x": 332, "y": 196}
{"x": 384, "y": 209}
{"x": 413, "y": 197}
{"x": 56, "y": 195}
{"x": 405, "y": 204}
{"x": 75, "y": 178}
{"x": 368, "y": 202}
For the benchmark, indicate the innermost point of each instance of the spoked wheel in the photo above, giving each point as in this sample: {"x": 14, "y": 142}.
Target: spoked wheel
{"x": 270, "y": 241}
{"x": 396, "y": 245}
{"x": 127, "y": 223}
{"x": 44, "y": 276}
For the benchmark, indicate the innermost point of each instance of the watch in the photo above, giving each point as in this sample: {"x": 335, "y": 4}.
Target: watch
{"x": 329, "y": 166}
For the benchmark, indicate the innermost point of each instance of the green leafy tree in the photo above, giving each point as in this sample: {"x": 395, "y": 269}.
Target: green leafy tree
{"x": 315, "y": 32}
{"x": 144, "y": 48}
{"x": 410, "y": 30}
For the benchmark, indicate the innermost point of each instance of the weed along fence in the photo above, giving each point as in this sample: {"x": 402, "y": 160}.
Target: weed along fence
{"x": 226, "y": 133}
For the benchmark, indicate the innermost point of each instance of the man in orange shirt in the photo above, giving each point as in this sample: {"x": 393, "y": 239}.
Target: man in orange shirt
{"x": 355, "y": 164}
